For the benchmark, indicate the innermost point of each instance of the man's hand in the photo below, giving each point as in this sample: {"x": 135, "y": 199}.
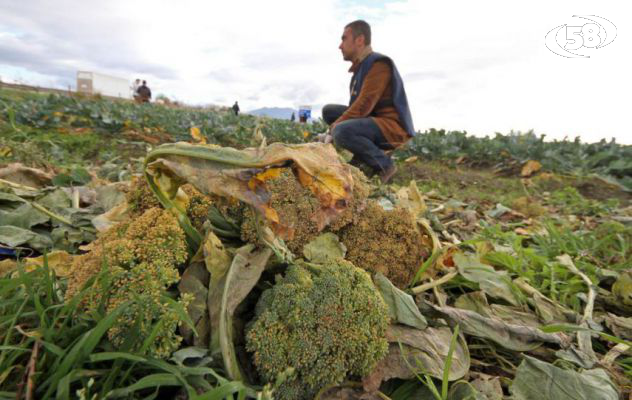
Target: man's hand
{"x": 324, "y": 137}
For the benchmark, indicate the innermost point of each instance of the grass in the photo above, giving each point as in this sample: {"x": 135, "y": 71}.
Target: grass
{"x": 51, "y": 349}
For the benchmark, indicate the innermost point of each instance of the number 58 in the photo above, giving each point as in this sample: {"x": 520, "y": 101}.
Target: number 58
{"x": 586, "y": 35}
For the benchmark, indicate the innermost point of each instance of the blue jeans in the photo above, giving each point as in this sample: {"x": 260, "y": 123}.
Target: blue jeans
{"x": 361, "y": 136}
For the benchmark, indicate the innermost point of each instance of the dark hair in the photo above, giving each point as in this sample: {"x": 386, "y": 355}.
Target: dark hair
{"x": 144, "y": 82}
{"x": 360, "y": 27}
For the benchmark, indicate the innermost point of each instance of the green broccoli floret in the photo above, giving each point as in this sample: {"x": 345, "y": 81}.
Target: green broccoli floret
{"x": 142, "y": 257}
{"x": 326, "y": 322}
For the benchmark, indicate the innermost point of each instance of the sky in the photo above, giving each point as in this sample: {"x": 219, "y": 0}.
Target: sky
{"x": 482, "y": 67}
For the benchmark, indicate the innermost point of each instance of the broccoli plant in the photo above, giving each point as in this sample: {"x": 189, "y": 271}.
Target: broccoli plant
{"x": 322, "y": 322}
{"x": 141, "y": 259}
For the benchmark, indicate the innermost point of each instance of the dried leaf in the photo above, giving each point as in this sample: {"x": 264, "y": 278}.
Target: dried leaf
{"x": 59, "y": 261}
{"x": 425, "y": 352}
{"x": 530, "y": 167}
{"x": 409, "y": 197}
{"x": 241, "y": 277}
{"x": 228, "y": 172}
{"x": 22, "y": 175}
{"x": 217, "y": 261}
{"x": 510, "y": 336}
{"x": 620, "y": 326}
{"x": 540, "y": 380}
{"x": 489, "y": 386}
{"x": 194, "y": 281}
{"x": 197, "y": 136}
{"x": 464, "y": 391}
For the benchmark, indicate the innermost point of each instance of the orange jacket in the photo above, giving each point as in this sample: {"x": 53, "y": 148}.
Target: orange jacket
{"x": 377, "y": 88}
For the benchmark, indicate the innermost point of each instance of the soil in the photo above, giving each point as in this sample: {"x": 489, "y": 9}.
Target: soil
{"x": 482, "y": 185}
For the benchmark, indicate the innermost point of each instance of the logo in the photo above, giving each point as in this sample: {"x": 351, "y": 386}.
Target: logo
{"x": 565, "y": 39}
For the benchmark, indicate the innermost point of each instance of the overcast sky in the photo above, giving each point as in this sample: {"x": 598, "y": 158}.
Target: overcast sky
{"x": 478, "y": 66}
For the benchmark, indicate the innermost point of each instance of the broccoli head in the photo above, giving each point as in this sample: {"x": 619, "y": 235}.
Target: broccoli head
{"x": 294, "y": 204}
{"x": 141, "y": 257}
{"x": 326, "y": 322}
{"x": 361, "y": 191}
{"x": 385, "y": 241}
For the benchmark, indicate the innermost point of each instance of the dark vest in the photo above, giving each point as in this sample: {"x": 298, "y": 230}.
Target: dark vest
{"x": 399, "y": 99}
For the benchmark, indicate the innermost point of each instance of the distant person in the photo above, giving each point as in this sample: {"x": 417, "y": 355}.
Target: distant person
{"x": 293, "y": 117}
{"x": 236, "y": 108}
{"x": 377, "y": 117}
{"x": 134, "y": 88}
{"x": 144, "y": 93}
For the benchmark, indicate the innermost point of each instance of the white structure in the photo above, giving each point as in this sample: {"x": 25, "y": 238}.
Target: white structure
{"x": 96, "y": 83}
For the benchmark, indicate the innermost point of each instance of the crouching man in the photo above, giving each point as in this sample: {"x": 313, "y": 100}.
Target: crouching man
{"x": 378, "y": 118}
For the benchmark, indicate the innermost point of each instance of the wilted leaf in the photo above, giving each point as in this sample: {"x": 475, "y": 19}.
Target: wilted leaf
{"x": 194, "y": 281}
{"x": 69, "y": 239}
{"x": 217, "y": 261}
{"x": 424, "y": 351}
{"x": 109, "y": 196}
{"x": 18, "y": 173}
{"x": 489, "y": 386}
{"x": 25, "y": 216}
{"x": 577, "y": 357}
{"x": 197, "y": 356}
{"x": 106, "y": 220}
{"x": 540, "y": 380}
{"x": 324, "y": 248}
{"x": 241, "y": 277}
{"x": 530, "y": 167}
{"x": 464, "y": 391}
{"x": 13, "y": 236}
{"x": 510, "y": 336}
{"x": 494, "y": 283}
{"x": 401, "y": 305}
{"x": 620, "y": 326}
{"x": 57, "y": 198}
{"x": 498, "y": 211}
{"x": 347, "y": 393}
{"x": 474, "y": 301}
{"x": 227, "y": 172}
{"x": 409, "y": 197}
{"x": 197, "y": 136}
{"x": 547, "y": 310}
{"x": 9, "y": 201}
{"x": 58, "y": 261}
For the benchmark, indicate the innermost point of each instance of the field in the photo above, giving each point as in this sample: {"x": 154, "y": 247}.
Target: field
{"x": 132, "y": 267}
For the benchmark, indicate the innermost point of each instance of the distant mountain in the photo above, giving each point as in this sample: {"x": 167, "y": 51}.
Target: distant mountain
{"x": 274, "y": 112}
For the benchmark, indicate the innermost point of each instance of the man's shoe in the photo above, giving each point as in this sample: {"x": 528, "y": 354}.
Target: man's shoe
{"x": 386, "y": 175}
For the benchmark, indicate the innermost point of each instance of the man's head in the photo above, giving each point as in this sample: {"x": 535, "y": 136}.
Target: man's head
{"x": 137, "y": 80}
{"x": 144, "y": 82}
{"x": 355, "y": 37}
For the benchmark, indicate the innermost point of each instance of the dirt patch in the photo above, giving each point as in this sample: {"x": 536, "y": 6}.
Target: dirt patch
{"x": 482, "y": 185}
{"x": 466, "y": 184}
{"x": 590, "y": 187}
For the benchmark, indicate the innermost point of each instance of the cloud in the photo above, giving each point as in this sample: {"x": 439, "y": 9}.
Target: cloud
{"x": 464, "y": 67}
